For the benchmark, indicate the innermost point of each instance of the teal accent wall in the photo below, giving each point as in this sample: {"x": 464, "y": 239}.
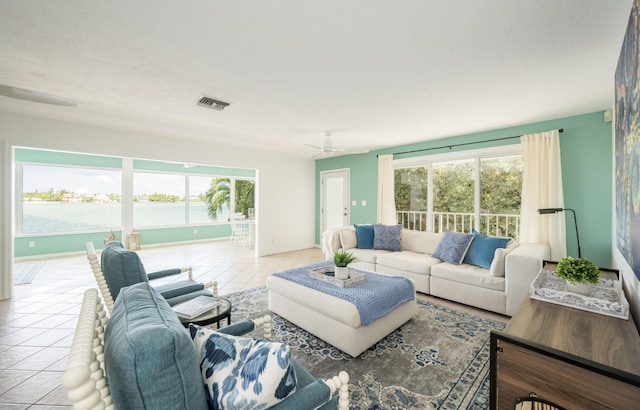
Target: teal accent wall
{"x": 157, "y": 236}
{"x": 586, "y": 151}
{"x": 65, "y": 158}
{"x": 146, "y": 165}
{"x": 52, "y": 244}
{"x": 68, "y": 243}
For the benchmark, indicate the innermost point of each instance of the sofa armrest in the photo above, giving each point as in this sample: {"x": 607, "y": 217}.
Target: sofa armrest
{"x": 246, "y": 326}
{"x": 163, "y": 273}
{"x": 522, "y": 265}
{"x": 331, "y": 242}
{"x": 319, "y": 394}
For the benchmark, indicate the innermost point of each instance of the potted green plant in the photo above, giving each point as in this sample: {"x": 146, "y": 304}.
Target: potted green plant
{"x": 579, "y": 273}
{"x": 342, "y": 259}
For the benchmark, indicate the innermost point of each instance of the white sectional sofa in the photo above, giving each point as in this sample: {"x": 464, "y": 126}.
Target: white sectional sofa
{"x": 501, "y": 288}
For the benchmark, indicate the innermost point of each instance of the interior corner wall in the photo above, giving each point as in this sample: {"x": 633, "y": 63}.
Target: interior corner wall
{"x": 285, "y": 192}
{"x": 586, "y": 151}
{"x": 6, "y": 247}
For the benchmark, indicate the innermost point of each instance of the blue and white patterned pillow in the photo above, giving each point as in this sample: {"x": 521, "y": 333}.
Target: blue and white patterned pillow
{"x": 387, "y": 237}
{"x": 241, "y": 372}
{"x": 453, "y": 247}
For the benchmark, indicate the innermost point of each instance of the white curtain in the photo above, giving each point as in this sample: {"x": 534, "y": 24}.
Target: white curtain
{"x": 542, "y": 188}
{"x": 386, "y": 191}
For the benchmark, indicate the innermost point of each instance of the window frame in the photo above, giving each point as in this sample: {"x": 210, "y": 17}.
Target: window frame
{"x": 126, "y": 169}
{"x": 474, "y": 154}
{"x": 18, "y": 219}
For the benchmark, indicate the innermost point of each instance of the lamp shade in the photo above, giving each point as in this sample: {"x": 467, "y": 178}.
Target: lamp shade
{"x": 543, "y": 211}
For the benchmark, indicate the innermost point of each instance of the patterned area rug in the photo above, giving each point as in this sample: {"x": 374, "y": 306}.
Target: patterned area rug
{"x": 437, "y": 360}
{"x": 24, "y": 273}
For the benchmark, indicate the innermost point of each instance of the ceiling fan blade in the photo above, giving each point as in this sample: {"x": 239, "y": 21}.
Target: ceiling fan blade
{"x": 313, "y": 146}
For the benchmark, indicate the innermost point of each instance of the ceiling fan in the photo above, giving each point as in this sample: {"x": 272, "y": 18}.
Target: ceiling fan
{"x": 328, "y": 148}
{"x": 36, "y": 96}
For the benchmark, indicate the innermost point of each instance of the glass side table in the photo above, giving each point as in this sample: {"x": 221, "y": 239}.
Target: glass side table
{"x": 217, "y": 314}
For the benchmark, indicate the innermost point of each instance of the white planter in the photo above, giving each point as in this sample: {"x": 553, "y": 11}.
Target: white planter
{"x": 581, "y": 288}
{"x": 342, "y": 273}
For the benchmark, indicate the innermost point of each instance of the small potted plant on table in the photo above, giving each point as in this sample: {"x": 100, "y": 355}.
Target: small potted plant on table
{"x": 579, "y": 273}
{"x": 342, "y": 259}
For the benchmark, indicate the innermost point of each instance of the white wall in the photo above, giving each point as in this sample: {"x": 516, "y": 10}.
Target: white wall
{"x": 286, "y": 185}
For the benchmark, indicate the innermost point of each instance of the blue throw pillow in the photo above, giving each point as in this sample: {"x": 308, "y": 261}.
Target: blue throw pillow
{"x": 453, "y": 247}
{"x": 364, "y": 235}
{"x": 483, "y": 248}
{"x": 387, "y": 237}
{"x": 241, "y": 372}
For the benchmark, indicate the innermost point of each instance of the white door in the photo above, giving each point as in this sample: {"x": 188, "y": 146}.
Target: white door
{"x": 334, "y": 202}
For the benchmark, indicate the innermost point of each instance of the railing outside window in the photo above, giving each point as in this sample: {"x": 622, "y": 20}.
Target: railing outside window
{"x": 504, "y": 225}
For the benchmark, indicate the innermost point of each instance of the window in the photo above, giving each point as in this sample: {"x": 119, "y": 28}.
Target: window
{"x": 453, "y": 195}
{"x": 411, "y": 191}
{"x": 463, "y": 191}
{"x": 65, "y": 192}
{"x": 63, "y": 199}
{"x": 500, "y": 195}
{"x": 198, "y": 205}
{"x": 244, "y": 197}
{"x": 158, "y": 199}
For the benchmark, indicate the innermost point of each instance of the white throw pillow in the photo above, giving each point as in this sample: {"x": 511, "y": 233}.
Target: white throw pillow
{"x": 241, "y": 372}
{"x": 497, "y": 267}
{"x": 348, "y": 238}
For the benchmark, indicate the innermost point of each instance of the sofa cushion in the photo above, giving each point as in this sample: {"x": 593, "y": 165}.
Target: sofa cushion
{"x": 408, "y": 261}
{"x": 241, "y": 372}
{"x": 420, "y": 242}
{"x": 367, "y": 255}
{"x": 348, "y": 238}
{"x": 468, "y": 274}
{"x": 387, "y": 237}
{"x": 497, "y": 267}
{"x": 121, "y": 267}
{"x": 453, "y": 247}
{"x": 150, "y": 361}
{"x": 364, "y": 235}
{"x": 483, "y": 248}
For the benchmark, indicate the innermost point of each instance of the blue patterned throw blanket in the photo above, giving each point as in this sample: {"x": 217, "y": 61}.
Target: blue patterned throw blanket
{"x": 374, "y": 298}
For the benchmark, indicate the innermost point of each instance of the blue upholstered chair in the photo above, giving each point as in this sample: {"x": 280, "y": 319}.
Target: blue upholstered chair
{"x": 150, "y": 362}
{"x": 120, "y": 267}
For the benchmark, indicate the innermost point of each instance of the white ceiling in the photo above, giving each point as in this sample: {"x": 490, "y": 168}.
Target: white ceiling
{"x": 378, "y": 73}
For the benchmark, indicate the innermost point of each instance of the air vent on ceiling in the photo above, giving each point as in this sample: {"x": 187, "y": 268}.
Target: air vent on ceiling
{"x": 212, "y": 103}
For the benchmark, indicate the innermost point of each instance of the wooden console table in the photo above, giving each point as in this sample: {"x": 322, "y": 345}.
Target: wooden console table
{"x": 573, "y": 358}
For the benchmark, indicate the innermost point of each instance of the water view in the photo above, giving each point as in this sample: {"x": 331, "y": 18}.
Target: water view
{"x": 41, "y": 217}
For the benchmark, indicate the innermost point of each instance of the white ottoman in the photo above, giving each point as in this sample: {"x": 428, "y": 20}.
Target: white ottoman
{"x": 331, "y": 318}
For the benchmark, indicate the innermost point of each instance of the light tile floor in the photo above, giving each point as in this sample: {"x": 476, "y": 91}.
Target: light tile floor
{"x": 37, "y": 324}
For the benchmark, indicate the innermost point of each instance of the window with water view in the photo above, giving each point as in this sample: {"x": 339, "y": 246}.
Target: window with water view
{"x": 64, "y": 199}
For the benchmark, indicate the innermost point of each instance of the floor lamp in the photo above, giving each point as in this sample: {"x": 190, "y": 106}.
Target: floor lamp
{"x": 543, "y": 211}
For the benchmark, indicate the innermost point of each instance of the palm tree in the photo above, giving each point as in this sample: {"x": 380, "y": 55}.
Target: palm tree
{"x": 217, "y": 196}
{"x": 244, "y": 196}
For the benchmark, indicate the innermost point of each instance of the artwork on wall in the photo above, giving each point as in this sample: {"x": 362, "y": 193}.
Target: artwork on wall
{"x": 627, "y": 144}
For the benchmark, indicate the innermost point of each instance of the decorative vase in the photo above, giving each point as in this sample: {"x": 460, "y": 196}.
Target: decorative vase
{"x": 581, "y": 288}
{"x": 342, "y": 272}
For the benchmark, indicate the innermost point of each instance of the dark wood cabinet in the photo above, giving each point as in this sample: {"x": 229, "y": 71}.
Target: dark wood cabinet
{"x": 573, "y": 358}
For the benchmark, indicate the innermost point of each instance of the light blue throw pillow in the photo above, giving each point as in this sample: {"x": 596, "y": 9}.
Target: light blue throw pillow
{"x": 364, "y": 235}
{"x": 242, "y": 373}
{"x": 387, "y": 237}
{"x": 483, "y": 248}
{"x": 453, "y": 247}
